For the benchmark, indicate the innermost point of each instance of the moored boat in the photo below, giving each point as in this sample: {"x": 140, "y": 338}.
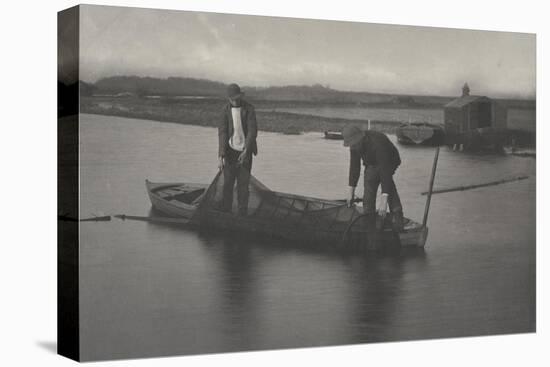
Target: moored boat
{"x": 521, "y": 152}
{"x": 334, "y": 135}
{"x": 420, "y": 133}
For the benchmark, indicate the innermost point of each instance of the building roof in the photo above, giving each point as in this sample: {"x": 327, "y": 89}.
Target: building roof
{"x": 465, "y": 100}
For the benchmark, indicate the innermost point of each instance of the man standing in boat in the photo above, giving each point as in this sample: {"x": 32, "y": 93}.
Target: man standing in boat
{"x": 237, "y": 133}
{"x": 381, "y": 159}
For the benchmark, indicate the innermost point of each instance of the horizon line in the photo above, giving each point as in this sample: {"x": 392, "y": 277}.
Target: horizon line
{"x": 528, "y": 98}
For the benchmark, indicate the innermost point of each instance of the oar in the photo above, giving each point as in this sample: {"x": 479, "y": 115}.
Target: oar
{"x": 153, "y": 219}
{"x": 104, "y": 218}
{"x": 67, "y": 218}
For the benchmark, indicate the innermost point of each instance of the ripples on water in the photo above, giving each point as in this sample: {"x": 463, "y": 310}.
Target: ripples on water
{"x": 149, "y": 289}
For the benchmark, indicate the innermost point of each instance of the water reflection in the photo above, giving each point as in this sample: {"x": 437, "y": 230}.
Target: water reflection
{"x": 372, "y": 286}
{"x": 376, "y": 291}
{"x": 237, "y": 282}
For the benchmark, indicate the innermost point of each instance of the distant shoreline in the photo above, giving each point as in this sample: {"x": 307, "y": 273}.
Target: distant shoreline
{"x": 176, "y": 87}
{"x": 207, "y": 113}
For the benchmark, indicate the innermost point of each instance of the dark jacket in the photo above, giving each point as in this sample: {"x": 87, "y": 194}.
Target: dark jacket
{"x": 375, "y": 150}
{"x": 250, "y": 128}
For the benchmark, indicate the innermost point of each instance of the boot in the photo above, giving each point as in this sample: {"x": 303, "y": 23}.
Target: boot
{"x": 398, "y": 222}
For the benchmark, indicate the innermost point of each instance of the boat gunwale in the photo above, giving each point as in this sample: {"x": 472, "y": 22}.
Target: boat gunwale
{"x": 229, "y": 217}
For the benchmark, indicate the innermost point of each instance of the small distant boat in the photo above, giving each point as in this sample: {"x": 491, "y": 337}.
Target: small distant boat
{"x": 292, "y": 130}
{"x": 420, "y": 133}
{"x": 334, "y": 135}
{"x": 521, "y": 152}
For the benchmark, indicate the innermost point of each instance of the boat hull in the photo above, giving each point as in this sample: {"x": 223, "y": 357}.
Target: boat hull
{"x": 164, "y": 197}
{"x": 420, "y": 134}
{"x": 171, "y": 208}
{"x": 334, "y": 135}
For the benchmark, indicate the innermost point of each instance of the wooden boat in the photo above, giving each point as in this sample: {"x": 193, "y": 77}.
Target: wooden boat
{"x": 521, "y": 152}
{"x": 300, "y": 219}
{"x": 420, "y": 133}
{"x": 334, "y": 135}
{"x": 178, "y": 200}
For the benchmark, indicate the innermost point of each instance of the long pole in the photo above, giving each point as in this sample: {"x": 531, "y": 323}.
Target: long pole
{"x": 471, "y": 187}
{"x": 428, "y": 200}
{"x": 154, "y": 219}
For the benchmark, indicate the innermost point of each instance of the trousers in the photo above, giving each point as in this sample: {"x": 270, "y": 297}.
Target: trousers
{"x": 233, "y": 171}
{"x": 372, "y": 181}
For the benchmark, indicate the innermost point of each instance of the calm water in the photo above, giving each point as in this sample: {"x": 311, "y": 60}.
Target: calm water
{"x": 148, "y": 289}
{"x": 372, "y": 113}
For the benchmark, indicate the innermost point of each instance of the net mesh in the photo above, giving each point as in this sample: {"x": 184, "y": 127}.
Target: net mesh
{"x": 280, "y": 209}
{"x": 305, "y": 219}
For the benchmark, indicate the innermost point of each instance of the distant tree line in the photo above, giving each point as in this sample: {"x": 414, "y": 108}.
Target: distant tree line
{"x": 179, "y": 86}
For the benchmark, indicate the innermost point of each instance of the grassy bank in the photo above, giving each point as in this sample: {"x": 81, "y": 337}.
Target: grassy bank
{"x": 208, "y": 113}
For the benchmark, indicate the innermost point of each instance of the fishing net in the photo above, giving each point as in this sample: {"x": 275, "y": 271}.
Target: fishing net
{"x": 281, "y": 214}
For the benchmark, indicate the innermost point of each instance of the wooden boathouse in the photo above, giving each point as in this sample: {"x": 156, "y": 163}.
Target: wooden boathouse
{"x": 469, "y": 118}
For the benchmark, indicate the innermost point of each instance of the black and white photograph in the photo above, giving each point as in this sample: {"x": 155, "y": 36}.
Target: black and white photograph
{"x": 274, "y": 183}
{"x": 252, "y": 183}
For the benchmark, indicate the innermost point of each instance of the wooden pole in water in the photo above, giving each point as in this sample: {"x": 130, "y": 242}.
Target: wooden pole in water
{"x": 154, "y": 219}
{"x": 471, "y": 187}
{"x": 368, "y": 124}
{"x": 428, "y": 200}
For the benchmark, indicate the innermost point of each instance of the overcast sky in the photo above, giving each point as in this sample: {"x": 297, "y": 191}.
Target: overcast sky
{"x": 265, "y": 51}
